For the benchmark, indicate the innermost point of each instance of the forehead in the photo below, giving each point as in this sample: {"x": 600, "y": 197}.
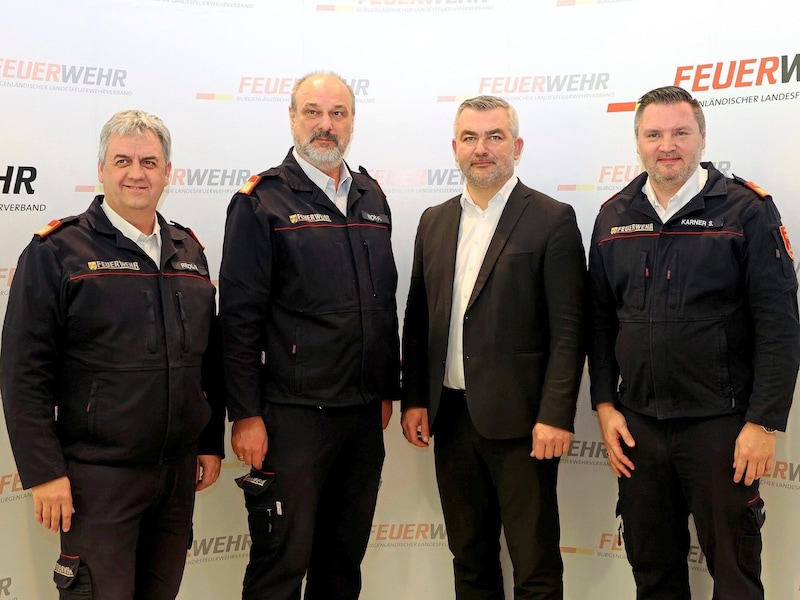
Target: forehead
{"x": 668, "y": 116}
{"x": 478, "y": 121}
{"x": 323, "y": 90}
{"x": 146, "y": 143}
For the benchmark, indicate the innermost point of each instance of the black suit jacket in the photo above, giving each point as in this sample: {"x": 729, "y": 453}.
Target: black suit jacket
{"x": 523, "y": 350}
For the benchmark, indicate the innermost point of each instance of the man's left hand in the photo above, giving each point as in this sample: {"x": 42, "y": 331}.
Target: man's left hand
{"x": 208, "y": 467}
{"x": 753, "y": 454}
{"x": 549, "y": 441}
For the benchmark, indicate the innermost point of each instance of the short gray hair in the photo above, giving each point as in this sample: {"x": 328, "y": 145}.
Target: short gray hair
{"x": 134, "y": 122}
{"x": 669, "y": 95}
{"x": 300, "y": 81}
{"x": 489, "y": 103}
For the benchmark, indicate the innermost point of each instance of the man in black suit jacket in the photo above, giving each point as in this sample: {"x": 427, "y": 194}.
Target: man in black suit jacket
{"x": 492, "y": 358}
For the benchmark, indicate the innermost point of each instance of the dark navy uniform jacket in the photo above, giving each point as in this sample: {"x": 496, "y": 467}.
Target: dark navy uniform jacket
{"x": 307, "y": 295}
{"x": 103, "y": 353}
{"x": 698, "y": 316}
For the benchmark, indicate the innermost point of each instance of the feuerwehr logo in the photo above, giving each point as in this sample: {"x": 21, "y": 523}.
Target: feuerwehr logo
{"x": 57, "y": 77}
{"x": 540, "y": 86}
{"x": 206, "y": 181}
{"x": 762, "y": 76}
{"x": 11, "y": 488}
{"x": 408, "y": 535}
{"x": 405, "y": 6}
{"x": 17, "y": 181}
{"x": 785, "y": 474}
{"x": 219, "y": 548}
{"x": 277, "y": 88}
{"x": 419, "y": 181}
{"x": 612, "y": 178}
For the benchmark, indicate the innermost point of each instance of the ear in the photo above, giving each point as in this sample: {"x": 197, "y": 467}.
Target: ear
{"x": 518, "y": 145}
{"x": 100, "y": 172}
{"x": 167, "y": 172}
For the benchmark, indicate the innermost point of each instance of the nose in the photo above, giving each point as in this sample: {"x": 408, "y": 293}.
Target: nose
{"x": 667, "y": 142}
{"x": 135, "y": 171}
{"x": 324, "y": 123}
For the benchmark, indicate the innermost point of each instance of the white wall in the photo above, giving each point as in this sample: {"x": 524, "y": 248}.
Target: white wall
{"x": 219, "y": 73}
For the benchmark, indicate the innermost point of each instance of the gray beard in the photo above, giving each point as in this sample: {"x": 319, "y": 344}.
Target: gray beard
{"x": 324, "y": 160}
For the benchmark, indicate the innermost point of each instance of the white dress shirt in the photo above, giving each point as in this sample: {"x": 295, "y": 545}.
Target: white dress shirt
{"x": 151, "y": 244}
{"x": 326, "y": 184}
{"x": 689, "y": 190}
{"x": 475, "y": 231}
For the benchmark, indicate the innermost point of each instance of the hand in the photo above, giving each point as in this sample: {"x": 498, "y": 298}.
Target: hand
{"x": 613, "y": 426}
{"x": 52, "y": 504}
{"x": 753, "y": 454}
{"x": 415, "y": 426}
{"x": 386, "y": 413}
{"x": 208, "y": 467}
{"x": 249, "y": 441}
{"x": 549, "y": 441}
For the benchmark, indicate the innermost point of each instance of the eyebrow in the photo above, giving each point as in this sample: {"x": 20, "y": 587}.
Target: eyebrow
{"x": 316, "y": 105}
{"x": 119, "y": 155}
{"x": 490, "y": 132}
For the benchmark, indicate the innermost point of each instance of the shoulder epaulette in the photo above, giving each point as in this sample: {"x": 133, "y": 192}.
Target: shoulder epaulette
{"x": 189, "y": 231}
{"x": 250, "y": 185}
{"x": 53, "y": 226}
{"x": 753, "y": 186}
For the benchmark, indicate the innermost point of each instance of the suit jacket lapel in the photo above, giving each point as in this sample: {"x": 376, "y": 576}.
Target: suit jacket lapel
{"x": 508, "y": 220}
{"x": 450, "y": 224}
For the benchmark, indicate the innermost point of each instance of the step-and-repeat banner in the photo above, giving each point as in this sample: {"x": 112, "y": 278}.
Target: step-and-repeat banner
{"x": 219, "y": 74}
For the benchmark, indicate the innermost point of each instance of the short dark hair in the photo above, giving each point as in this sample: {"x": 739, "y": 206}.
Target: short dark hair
{"x": 669, "y": 95}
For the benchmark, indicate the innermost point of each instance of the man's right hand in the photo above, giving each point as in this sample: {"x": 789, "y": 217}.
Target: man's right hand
{"x": 52, "y": 503}
{"x": 249, "y": 441}
{"x": 613, "y": 426}
{"x": 415, "y": 426}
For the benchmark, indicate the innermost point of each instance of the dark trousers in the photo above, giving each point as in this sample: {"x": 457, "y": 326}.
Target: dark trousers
{"x": 484, "y": 484}
{"x": 131, "y": 529}
{"x": 315, "y": 519}
{"x": 684, "y": 466}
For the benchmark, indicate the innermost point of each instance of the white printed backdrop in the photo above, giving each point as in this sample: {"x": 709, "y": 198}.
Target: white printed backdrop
{"x": 219, "y": 74}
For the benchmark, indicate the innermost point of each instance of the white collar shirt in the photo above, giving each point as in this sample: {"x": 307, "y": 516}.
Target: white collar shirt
{"x": 475, "y": 232}
{"x": 689, "y": 190}
{"x": 151, "y": 244}
{"x": 326, "y": 183}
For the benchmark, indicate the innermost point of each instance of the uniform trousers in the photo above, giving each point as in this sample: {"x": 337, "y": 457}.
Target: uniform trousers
{"x": 684, "y": 466}
{"x": 315, "y": 519}
{"x": 485, "y": 484}
{"x": 130, "y": 532}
